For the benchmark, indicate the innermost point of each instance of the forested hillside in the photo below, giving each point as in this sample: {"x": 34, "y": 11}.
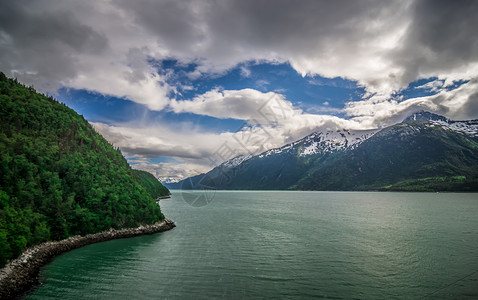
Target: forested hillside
{"x": 59, "y": 177}
{"x": 151, "y": 184}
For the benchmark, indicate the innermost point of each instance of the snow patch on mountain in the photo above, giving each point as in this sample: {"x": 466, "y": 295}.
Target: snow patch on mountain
{"x": 322, "y": 142}
{"x": 469, "y": 128}
{"x": 236, "y": 161}
{"x": 282, "y": 149}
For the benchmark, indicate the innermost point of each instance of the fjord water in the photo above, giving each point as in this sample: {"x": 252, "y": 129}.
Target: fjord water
{"x": 286, "y": 245}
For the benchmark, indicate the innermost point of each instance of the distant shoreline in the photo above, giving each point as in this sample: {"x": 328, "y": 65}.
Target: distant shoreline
{"x": 21, "y": 274}
{"x": 332, "y": 191}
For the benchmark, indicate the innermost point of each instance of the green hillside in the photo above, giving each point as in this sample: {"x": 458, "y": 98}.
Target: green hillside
{"x": 151, "y": 184}
{"x": 58, "y": 176}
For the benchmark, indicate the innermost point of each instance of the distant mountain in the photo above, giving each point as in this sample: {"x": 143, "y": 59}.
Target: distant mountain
{"x": 425, "y": 116}
{"x": 426, "y": 152}
{"x": 469, "y": 128}
{"x": 59, "y": 177}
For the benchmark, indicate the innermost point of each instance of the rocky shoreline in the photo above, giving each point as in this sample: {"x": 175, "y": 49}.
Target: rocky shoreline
{"x": 163, "y": 197}
{"x": 19, "y": 275}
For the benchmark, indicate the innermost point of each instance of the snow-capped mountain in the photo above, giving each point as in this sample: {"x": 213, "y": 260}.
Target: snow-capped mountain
{"x": 321, "y": 142}
{"x": 424, "y": 152}
{"x": 469, "y": 127}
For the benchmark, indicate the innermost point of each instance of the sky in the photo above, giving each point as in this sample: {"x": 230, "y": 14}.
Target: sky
{"x": 181, "y": 86}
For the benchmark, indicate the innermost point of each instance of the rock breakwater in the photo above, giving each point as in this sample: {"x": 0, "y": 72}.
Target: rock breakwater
{"x": 19, "y": 275}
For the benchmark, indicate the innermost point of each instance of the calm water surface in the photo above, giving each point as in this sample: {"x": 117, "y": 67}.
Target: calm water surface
{"x": 286, "y": 245}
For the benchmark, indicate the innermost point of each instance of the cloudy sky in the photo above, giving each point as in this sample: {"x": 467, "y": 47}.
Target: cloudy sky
{"x": 181, "y": 86}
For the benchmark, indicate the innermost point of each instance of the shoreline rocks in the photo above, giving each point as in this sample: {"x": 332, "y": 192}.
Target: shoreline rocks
{"x": 163, "y": 197}
{"x": 20, "y": 274}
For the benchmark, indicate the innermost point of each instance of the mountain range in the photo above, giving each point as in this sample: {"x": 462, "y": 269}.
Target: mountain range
{"x": 425, "y": 152}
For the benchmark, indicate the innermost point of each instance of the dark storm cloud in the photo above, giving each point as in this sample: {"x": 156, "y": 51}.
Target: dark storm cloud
{"x": 383, "y": 45}
{"x": 224, "y": 30}
{"x": 442, "y": 36}
{"x": 40, "y": 47}
{"x": 470, "y": 108}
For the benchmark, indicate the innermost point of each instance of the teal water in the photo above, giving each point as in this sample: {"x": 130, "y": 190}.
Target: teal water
{"x": 286, "y": 245}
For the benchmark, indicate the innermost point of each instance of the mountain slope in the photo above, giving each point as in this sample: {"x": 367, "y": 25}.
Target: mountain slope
{"x": 150, "y": 183}
{"x": 58, "y": 176}
{"x": 425, "y": 152}
{"x": 277, "y": 168}
{"x": 469, "y": 128}
{"x": 407, "y": 151}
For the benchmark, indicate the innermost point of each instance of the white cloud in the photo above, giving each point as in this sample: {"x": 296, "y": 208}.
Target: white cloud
{"x": 159, "y": 140}
{"x": 245, "y": 72}
{"x": 170, "y": 172}
{"x": 457, "y": 104}
{"x": 255, "y": 107}
{"x": 433, "y": 86}
{"x": 246, "y": 104}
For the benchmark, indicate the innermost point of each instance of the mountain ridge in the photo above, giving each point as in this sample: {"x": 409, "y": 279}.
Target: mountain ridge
{"x": 295, "y": 165}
